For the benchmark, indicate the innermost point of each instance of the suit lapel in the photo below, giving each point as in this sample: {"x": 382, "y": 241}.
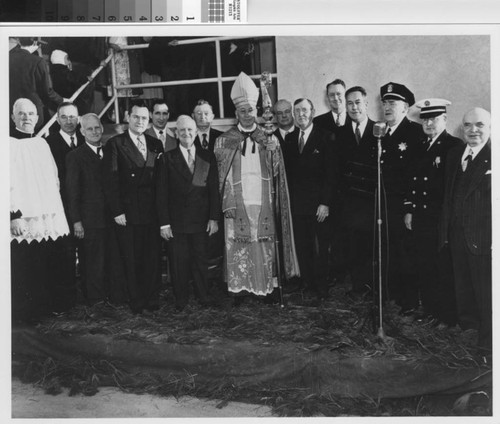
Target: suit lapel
{"x": 201, "y": 168}
{"x": 310, "y": 143}
{"x": 483, "y": 165}
{"x": 180, "y": 164}
{"x": 132, "y": 151}
{"x": 89, "y": 154}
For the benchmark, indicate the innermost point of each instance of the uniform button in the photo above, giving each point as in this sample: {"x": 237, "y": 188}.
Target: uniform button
{"x": 425, "y": 178}
{"x": 381, "y": 161}
{"x": 401, "y": 157}
{"x": 413, "y": 191}
{"x": 425, "y": 193}
{"x": 383, "y": 151}
{"x": 414, "y": 178}
{"x": 414, "y": 206}
{"x": 425, "y": 206}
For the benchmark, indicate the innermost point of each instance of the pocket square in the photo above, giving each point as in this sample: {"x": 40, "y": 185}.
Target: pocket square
{"x": 488, "y": 172}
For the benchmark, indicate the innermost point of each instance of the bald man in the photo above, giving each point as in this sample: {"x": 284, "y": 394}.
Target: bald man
{"x": 466, "y": 224}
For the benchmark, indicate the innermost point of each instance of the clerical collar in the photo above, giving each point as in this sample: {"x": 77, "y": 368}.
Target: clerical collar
{"x": 245, "y": 131}
{"x": 17, "y": 133}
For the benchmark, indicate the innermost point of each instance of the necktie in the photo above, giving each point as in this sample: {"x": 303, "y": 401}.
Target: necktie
{"x": 99, "y": 152}
{"x": 190, "y": 161}
{"x": 162, "y": 136}
{"x": 357, "y": 133}
{"x": 247, "y": 134}
{"x": 428, "y": 143}
{"x": 204, "y": 142}
{"x": 142, "y": 147}
{"x": 337, "y": 122}
{"x": 388, "y": 133}
{"x": 72, "y": 138}
{"x": 301, "y": 142}
{"x": 467, "y": 159}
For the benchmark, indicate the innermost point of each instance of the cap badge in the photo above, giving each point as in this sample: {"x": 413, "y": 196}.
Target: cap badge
{"x": 427, "y": 103}
{"x": 389, "y": 88}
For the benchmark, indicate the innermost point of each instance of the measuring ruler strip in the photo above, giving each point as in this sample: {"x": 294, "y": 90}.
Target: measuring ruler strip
{"x": 124, "y": 11}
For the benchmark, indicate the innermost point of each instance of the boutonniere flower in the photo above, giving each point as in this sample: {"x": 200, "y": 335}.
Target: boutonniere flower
{"x": 437, "y": 161}
{"x": 403, "y": 146}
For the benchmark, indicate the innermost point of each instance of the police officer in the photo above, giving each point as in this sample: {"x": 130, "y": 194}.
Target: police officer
{"x": 423, "y": 202}
{"x": 401, "y": 144}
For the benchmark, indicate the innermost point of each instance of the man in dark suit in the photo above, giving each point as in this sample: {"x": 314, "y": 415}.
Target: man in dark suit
{"x": 89, "y": 216}
{"x": 311, "y": 174}
{"x": 203, "y": 115}
{"x": 401, "y": 145}
{"x": 335, "y": 121}
{"x": 64, "y": 141}
{"x": 423, "y": 203}
{"x": 159, "y": 119}
{"x": 61, "y": 143}
{"x": 466, "y": 224}
{"x": 29, "y": 77}
{"x": 131, "y": 162}
{"x": 189, "y": 209}
{"x": 284, "y": 119}
{"x": 336, "y": 118}
{"x": 357, "y": 164}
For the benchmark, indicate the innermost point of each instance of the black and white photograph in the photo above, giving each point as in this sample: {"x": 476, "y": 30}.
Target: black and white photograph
{"x": 250, "y": 221}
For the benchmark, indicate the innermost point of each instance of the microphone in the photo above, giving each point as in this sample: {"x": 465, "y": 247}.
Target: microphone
{"x": 379, "y": 129}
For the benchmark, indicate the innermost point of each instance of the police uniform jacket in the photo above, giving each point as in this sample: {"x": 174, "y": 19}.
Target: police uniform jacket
{"x": 399, "y": 150}
{"x": 426, "y": 185}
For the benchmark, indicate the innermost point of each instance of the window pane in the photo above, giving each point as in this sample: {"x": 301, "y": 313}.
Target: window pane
{"x": 251, "y": 55}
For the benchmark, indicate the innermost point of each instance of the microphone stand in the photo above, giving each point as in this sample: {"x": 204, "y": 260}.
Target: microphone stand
{"x": 380, "y": 332}
{"x": 267, "y": 115}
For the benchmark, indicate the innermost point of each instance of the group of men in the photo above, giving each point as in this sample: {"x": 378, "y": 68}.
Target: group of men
{"x": 304, "y": 195}
{"x": 433, "y": 201}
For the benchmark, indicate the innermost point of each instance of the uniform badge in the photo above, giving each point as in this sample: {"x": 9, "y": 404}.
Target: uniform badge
{"x": 389, "y": 88}
{"x": 402, "y": 146}
{"x": 437, "y": 161}
{"x": 427, "y": 103}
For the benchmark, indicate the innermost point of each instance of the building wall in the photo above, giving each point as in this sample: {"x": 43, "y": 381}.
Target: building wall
{"x": 453, "y": 67}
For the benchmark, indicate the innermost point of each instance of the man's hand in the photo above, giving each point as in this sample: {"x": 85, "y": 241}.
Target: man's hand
{"x": 121, "y": 220}
{"x": 212, "y": 227}
{"x": 78, "y": 229}
{"x": 18, "y": 227}
{"x": 166, "y": 232}
{"x": 230, "y": 213}
{"x": 408, "y": 219}
{"x": 271, "y": 143}
{"x": 322, "y": 212}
